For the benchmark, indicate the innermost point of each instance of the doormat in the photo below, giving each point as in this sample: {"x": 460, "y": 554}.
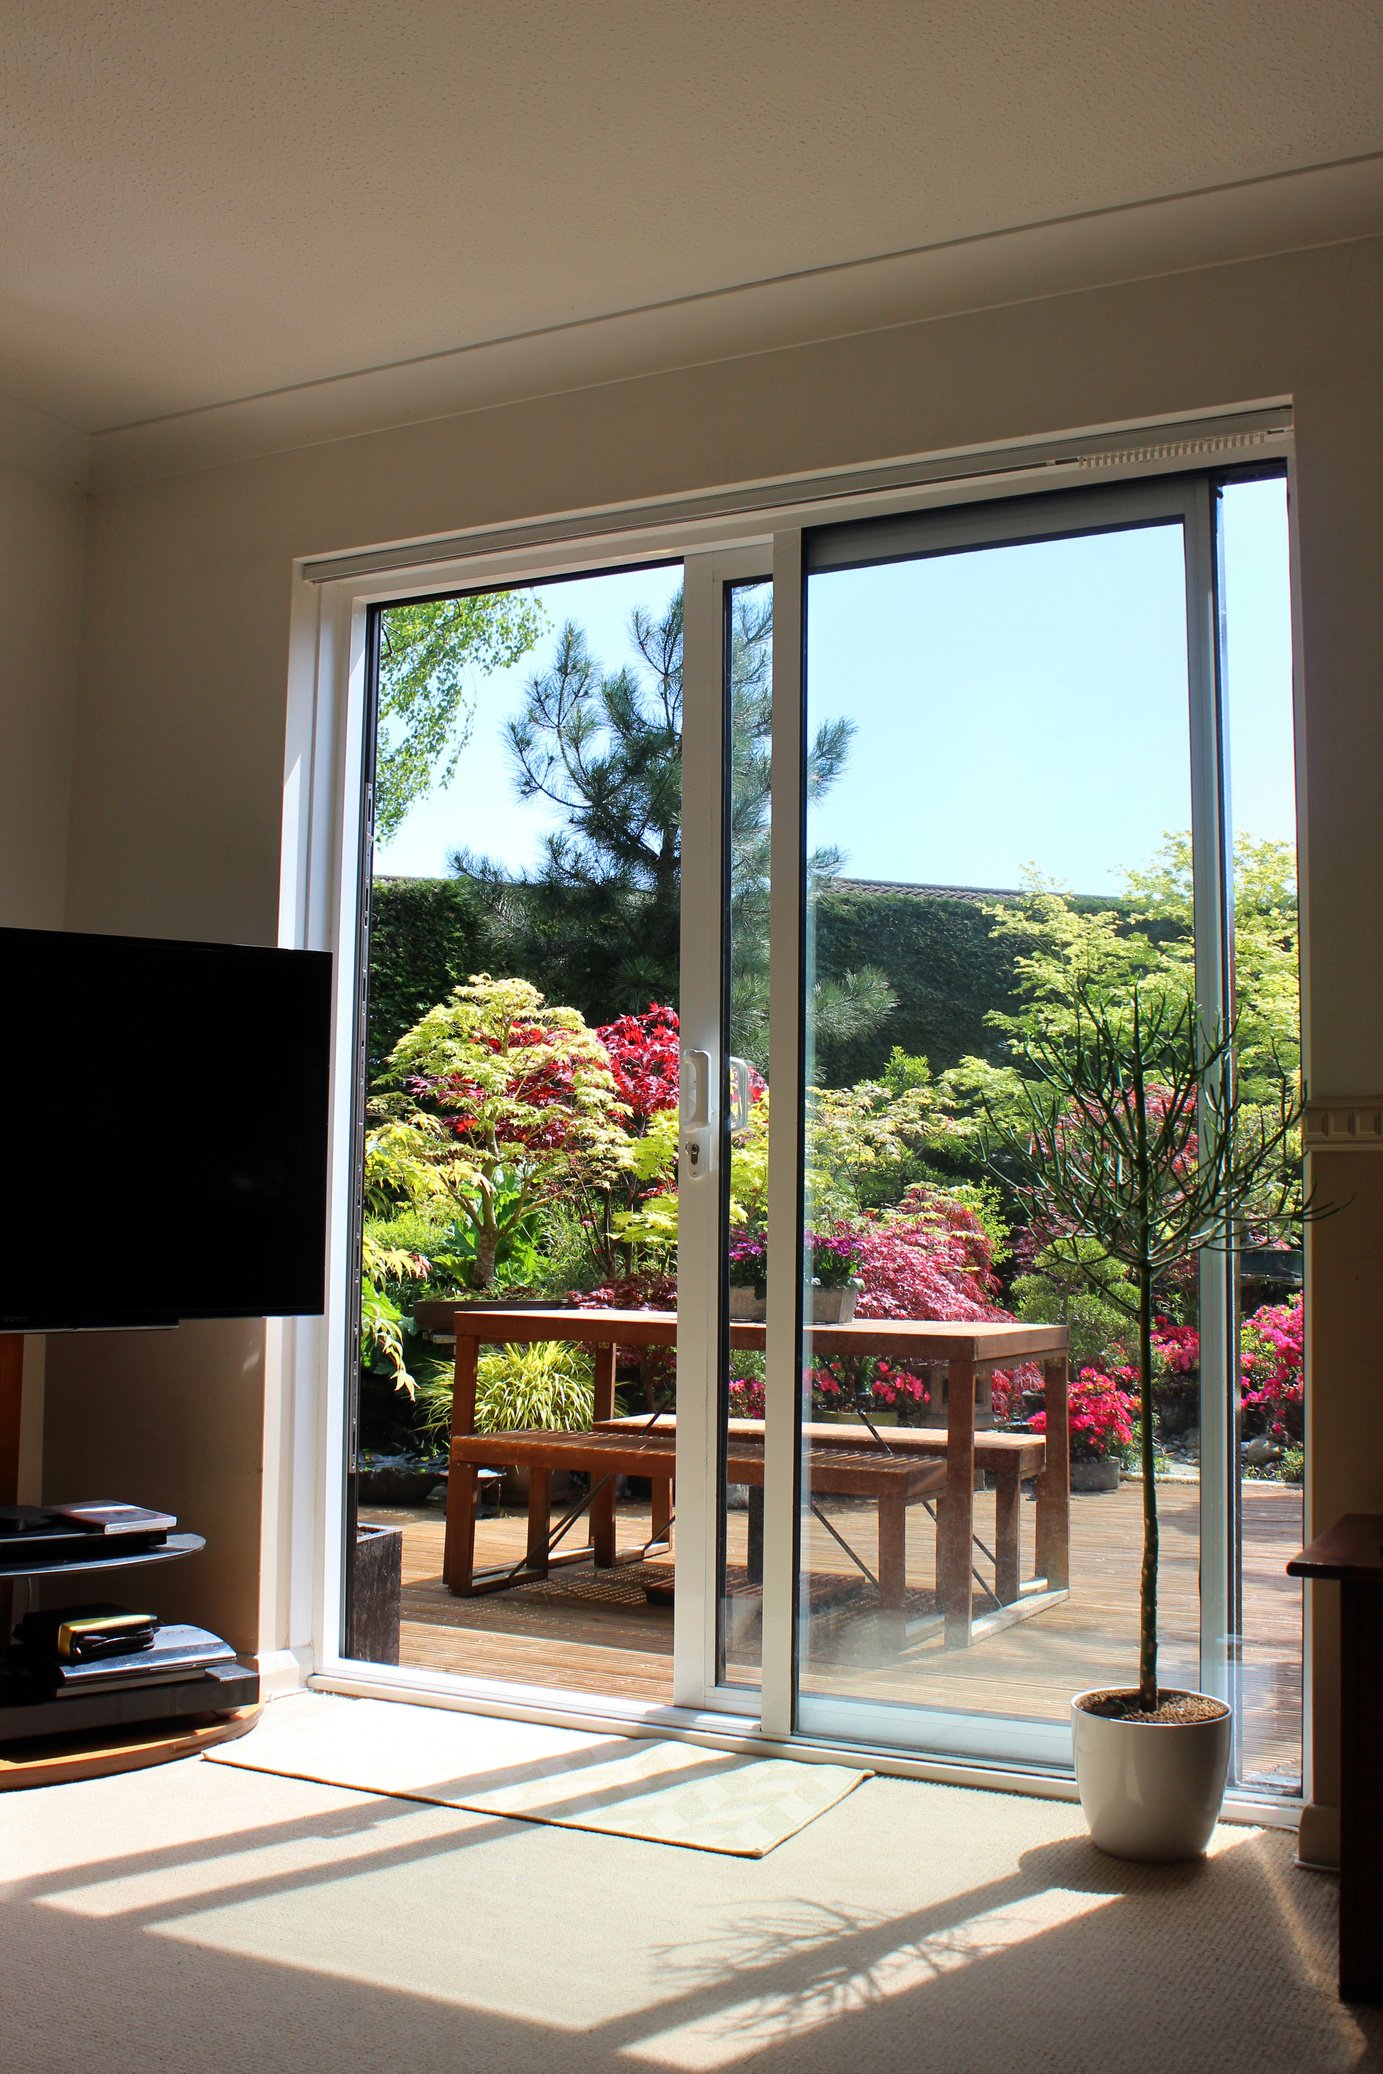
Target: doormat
{"x": 661, "y": 1792}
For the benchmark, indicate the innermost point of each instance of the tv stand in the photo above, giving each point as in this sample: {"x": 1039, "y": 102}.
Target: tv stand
{"x": 84, "y": 1736}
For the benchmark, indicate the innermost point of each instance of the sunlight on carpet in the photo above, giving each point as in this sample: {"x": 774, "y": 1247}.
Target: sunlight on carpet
{"x": 661, "y": 1792}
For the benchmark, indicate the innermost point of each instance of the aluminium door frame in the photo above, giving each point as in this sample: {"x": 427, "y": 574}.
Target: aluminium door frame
{"x": 1185, "y": 499}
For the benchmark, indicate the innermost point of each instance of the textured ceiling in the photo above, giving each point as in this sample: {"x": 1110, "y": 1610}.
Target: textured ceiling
{"x": 203, "y": 202}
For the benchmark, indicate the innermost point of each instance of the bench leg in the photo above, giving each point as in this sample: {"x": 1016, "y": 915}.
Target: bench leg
{"x": 603, "y": 1504}
{"x": 458, "y": 1557}
{"x": 1007, "y": 1512}
{"x": 539, "y": 1520}
{"x": 1053, "y": 1523}
{"x": 662, "y": 1508}
{"x": 955, "y": 1525}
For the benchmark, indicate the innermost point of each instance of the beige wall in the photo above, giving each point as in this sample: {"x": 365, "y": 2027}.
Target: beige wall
{"x": 42, "y": 523}
{"x": 41, "y": 528}
{"x": 176, "y": 802}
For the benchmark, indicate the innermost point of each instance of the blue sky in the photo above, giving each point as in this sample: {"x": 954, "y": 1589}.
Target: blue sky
{"x": 1016, "y": 706}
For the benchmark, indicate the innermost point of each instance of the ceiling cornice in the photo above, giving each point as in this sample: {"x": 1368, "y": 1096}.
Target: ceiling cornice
{"x": 1252, "y": 219}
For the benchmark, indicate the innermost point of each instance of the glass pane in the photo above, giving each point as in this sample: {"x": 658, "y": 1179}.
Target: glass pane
{"x": 749, "y": 664}
{"x": 997, "y": 830}
{"x": 1258, "y": 645}
{"x": 521, "y": 1137}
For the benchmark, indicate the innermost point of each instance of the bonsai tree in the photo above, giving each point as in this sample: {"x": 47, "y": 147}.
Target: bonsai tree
{"x": 1133, "y": 1135}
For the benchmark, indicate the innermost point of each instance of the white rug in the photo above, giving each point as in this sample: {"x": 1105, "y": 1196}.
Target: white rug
{"x": 667, "y": 1793}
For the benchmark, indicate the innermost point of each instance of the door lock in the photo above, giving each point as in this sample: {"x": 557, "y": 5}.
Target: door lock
{"x": 696, "y": 1114}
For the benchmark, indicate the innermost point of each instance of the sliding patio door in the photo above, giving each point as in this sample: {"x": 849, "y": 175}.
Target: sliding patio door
{"x": 1000, "y": 772}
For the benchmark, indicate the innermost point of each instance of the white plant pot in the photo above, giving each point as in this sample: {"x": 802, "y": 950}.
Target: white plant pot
{"x": 1150, "y": 1789}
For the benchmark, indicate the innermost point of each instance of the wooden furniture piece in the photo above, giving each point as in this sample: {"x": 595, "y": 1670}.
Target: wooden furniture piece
{"x": 1351, "y": 1553}
{"x": 893, "y": 1482}
{"x": 1010, "y": 1458}
{"x": 59, "y": 1760}
{"x": 43, "y": 1742}
{"x": 963, "y": 1351}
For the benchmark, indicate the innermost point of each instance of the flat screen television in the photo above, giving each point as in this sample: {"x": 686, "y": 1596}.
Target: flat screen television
{"x": 164, "y": 1115}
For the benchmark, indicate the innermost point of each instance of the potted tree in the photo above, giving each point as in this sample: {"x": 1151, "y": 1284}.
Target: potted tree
{"x": 1132, "y": 1134}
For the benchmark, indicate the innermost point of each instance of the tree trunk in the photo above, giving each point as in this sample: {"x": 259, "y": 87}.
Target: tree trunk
{"x": 486, "y": 1252}
{"x": 1147, "y": 1595}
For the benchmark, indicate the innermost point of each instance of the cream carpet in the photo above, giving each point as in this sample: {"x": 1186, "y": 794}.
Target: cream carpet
{"x": 200, "y": 1919}
{"x": 665, "y": 1793}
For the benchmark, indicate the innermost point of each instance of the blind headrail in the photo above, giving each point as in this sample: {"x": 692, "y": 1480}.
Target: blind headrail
{"x": 1191, "y": 442}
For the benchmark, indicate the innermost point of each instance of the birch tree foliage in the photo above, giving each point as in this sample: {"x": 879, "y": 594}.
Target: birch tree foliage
{"x": 433, "y": 657}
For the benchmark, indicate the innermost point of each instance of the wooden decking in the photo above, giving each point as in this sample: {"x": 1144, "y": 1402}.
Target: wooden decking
{"x": 597, "y": 1633}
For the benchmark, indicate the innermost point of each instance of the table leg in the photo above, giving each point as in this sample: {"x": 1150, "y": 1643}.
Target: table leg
{"x": 603, "y": 1504}
{"x": 1007, "y": 1513}
{"x": 458, "y": 1558}
{"x": 1053, "y": 1526}
{"x": 539, "y": 1518}
{"x": 893, "y": 1551}
{"x": 955, "y": 1528}
{"x": 754, "y": 1530}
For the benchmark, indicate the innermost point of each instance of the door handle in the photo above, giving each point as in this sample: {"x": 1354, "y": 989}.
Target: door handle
{"x": 741, "y": 1092}
{"x": 696, "y": 1114}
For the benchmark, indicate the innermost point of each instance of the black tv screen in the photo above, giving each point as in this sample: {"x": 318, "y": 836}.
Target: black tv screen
{"x": 164, "y": 1116}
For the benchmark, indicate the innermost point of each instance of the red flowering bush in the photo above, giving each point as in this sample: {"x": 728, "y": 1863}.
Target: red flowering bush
{"x": 644, "y": 1058}
{"x": 1272, "y": 1369}
{"x": 841, "y": 1384}
{"x": 1102, "y": 1411}
{"x": 929, "y": 1258}
{"x": 1176, "y": 1348}
{"x": 645, "y": 1292}
{"x": 746, "y": 1398}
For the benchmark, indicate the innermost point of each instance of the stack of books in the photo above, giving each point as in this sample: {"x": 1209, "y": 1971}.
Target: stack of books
{"x": 75, "y": 1533}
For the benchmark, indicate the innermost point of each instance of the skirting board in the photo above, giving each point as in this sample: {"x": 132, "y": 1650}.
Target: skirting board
{"x": 1318, "y": 1839}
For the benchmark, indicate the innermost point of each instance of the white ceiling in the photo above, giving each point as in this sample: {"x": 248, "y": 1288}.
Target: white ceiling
{"x": 206, "y": 202}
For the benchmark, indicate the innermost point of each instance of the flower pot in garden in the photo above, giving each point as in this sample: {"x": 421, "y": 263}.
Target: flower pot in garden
{"x": 1102, "y": 1473}
{"x": 834, "y": 1306}
{"x": 748, "y": 1305}
{"x": 1151, "y": 1790}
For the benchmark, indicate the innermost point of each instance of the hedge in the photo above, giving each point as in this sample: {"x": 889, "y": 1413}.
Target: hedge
{"x": 936, "y": 949}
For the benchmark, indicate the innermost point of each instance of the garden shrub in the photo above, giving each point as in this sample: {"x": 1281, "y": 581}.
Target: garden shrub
{"x": 546, "y": 1386}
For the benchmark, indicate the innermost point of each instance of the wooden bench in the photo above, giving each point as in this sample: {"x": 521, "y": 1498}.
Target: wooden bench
{"x": 1010, "y": 1458}
{"x": 893, "y": 1482}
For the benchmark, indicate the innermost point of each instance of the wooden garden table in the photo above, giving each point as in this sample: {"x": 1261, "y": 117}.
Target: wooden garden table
{"x": 964, "y": 1351}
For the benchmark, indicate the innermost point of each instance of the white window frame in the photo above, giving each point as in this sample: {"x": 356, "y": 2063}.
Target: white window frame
{"x": 745, "y": 530}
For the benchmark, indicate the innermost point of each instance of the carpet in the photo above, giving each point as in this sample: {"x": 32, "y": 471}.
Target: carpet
{"x": 201, "y": 1917}
{"x": 660, "y": 1792}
